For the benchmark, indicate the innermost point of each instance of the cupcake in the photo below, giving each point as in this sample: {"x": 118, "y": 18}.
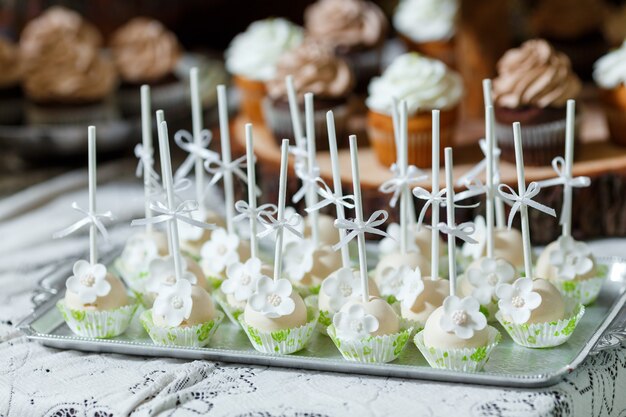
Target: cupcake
{"x": 610, "y": 75}
{"x": 145, "y": 52}
{"x": 315, "y": 69}
{"x": 10, "y": 77}
{"x": 425, "y": 84}
{"x": 67, "y": 79}
{"x": 251, "y": 59}
{"x": 571, "y": 267}
{"x": 428, "y": 27}
{"x": 533, "y": 85}
{"x": 95, "y": 302}
{"x": 354, "y": 29}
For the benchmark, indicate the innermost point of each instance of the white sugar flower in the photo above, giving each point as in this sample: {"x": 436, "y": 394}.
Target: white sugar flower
{"x": 487, "y": 275}
{"x": 517, "y": 300}
{"x": 571, "y": 258}
{"x": 412, "y": 285}
{"x": 393, "y": 280}
{"x": 138, "y": 252}
{"x": 161, "y": 272}
{"x": 391, "y": 243}
{"x": 174, "y": 303}
{"x": 298, "y": 259}
{"x": 219, "y": 252}
{"x": 340, "y": 287}
{"x": 89, "y": 281}
{"x": 462, "y": 316}
{"x": 476, "y": 250}
{"x": 352, "y": 322}
{"x": 241, "y": 279}
{"x": 272, "y": 298}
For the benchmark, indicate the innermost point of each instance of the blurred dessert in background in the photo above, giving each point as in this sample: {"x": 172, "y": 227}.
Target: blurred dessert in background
{"x": 10, "y": 77}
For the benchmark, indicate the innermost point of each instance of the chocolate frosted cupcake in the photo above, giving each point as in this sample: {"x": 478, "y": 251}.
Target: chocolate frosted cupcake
{"x": 315, "y": 69}
{"x": 10, "y": 76}
{"x": 251, "y": 59}
{"x": 66, "y": 77}
{"x": 533, "y": 85}
{"x": 610, "y": 75}
{"x": 355, "y": 29}
{"x": 145, "y": 52}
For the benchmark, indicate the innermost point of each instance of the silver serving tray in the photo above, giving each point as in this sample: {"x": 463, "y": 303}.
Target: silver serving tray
{"x": 602, "y": 327}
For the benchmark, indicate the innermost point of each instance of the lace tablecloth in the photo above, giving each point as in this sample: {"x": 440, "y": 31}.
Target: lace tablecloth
{"x": 39, "y": 381}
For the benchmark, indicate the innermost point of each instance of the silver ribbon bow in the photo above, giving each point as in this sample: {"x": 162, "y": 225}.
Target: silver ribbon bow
{"x": 144, "y": 159}
{"x": 430, "y": 198}
{"x": 399, "y": 182}
{"x": 157, "y": 191}
{"x": 186, "y": 142}
{"x": 463, "y": 231}
{"x": 182, "y": 213}
{"x": 517, "y": 201}
{"x": 88, "y": 219}
{"x": 273, "y": 224}
{"x": 245, "y": 211}
{"x": 481, "y": 166}
{"x": 378, "y": 218}
{"x": 308, "y": 181}
{"x": 329, "y": 197}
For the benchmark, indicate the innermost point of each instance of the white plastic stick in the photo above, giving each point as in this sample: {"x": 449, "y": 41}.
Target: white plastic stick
{"x": 402, "y": 165}
{"x": 450, "y": 218}
{"x": 396, "y": 135}
{"x": 160, "y": 118}
{"x": 294, "y": 111}
{"x": 434, "y": 261}
{"x": 569, "y": 161}
{"x": 487, "y": 92}
{"x": 358, "y": 211}
{"x": 196, "y": 124}
{"x": 311, "y": 195}
{"x": 334, "y": 162}
{"x": 254, "y": 247}
{"x": 489, "y": 206}
{"x": 146, "y": 139}
{"x": 229, "y": 198}
{"x": 93, "y": 244}
{"x": 168, "y": 185}
{"x": 521, "y": 185}
{"x": 499, "y": 204}
{"x": 282, "y": 195}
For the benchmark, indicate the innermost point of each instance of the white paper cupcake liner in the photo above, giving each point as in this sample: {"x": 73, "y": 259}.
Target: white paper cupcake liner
{"x": 325, "y": 318}
{"x": 231, "y": 312}
{"x": 545, "y": 335}
{"x": 371, "y": 349}
{"x": 99, "y": 324}
{"x": 584, "y": 292}
{"x": 284, "y": 341}
{"x": 464, "y": 359}
{"x": 198, "y": 335}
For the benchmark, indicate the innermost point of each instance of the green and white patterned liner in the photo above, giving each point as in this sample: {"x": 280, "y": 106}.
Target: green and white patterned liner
{"x": 464, "y": 359}
{"x": 231, "y": 312}
{"x": 284, "y": 341}
{"x": 325, "y": 317}
{"x": 135, "y": 281}
{"x": 98, "y": 324}
{"x": 306, "y": 291}
{"x": 545, "y": 335}
{"x": 198, "y": 335}
{"x": 583, "y": 291}
{"x": 371, "y": 349}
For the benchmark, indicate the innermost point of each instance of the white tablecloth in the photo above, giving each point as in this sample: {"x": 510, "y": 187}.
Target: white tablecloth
{"x": 38, "y": 381}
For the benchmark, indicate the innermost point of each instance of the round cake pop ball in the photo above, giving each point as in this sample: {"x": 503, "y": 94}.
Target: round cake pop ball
{"x": 114, "y": 299}
{"x": 436, "y": 337}
{"x": 395, "y": 260}
{"x": 196, "y": 270}
{"x": 296, "y": 319}
{"x": 324, "y": 299}
{"x": 574, "y": 258}
{"x": 388, "y": 320}
{"x": 423, "y": 240}
{"x": 325, "y": 262}
{"x": 193, "y": 246}
{"x": 202, "y": 310}
{"x": 266, "y": 270}
{"x": 327, "y": 233}
{"x": 552, "y": 307}
{"x": 508, "y": 246}
{"x": 431, "y": 298}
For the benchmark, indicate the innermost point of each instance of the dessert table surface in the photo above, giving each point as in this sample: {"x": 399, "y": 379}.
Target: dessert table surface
{"x": 40, "y": 381}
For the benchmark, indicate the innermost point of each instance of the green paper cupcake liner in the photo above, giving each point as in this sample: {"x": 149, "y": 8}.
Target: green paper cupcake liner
{"x": 231, "y": 312}
{"x": 371, "y": 349}
{"x": 545, "y": 335}
{"x": 98, "y": 324}
{"x": 464, "y": 359}
{"x": 584, "y": 292}
{"x": 284, "y": 341}
{"x": 198, "y": 335}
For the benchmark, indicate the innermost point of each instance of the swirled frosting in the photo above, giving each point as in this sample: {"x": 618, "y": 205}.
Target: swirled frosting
{"x": 346, "y": 23}
{"x": 534, "y": 75}
{"x": 315, "y": 69}
{"x": 144, "y": 50}
{"x": 254, "y": 53}
{"x": 426, "y": 20}
{"x": 424, "y": 83}
{"x": 10, "y": 64}
{"x": 610, "y": 70}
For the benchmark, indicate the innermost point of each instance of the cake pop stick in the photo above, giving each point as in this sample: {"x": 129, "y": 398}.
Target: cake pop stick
{"x": 146, "y": 139}
{"x": 450, "y": 219}
{"x": 160, "y": 118}
{"x": 490, "y": 197}
{"x": 196, "y": 122}
{"x": 566, "y": 215}
{"x": 226, "y": 157}
{"x": 295, "y": 113}
{"x": 498, "y": 203}
{"x": 311, "y": 196}
{"x": 254, "y": 247}
{"x": 396, "y": 134}
{"x": 334, "y": 161}
{"x": 93, "y": 244}
{"x": 434, "y": 265}
{"x": 280, "y": 216}
{"x": 402, "y": 162}
{"x": 521, "y": 185}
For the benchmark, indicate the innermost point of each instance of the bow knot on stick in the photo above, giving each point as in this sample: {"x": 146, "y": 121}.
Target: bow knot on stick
{"x": 145, "y": 159}
{"x": 355, "y": 227}
{"x": 400, "y": 182}
{"x": 156, "y": 190}
{"x": 186, "y": 142}
{"x": 463, "y": 231}
{"x": 440, "y": 198}
{"x": 329, "y": 197}
{"x": 517, "y": 201}
{"x": 182, "y": 213}
{"x": 88, "y": 219}
{"x": 245, "y": 211}
{"x": 272, "y": 224}
{"x": 308, "y": 180}
{"x": 481, "y": 166}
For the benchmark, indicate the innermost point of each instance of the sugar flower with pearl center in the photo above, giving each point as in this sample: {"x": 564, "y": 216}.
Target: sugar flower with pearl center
{"x": 272, "y": 298}
{"x": 162, "y": 271}
{"x": 462, "y": 316}
{"x": 219, "y": 252}
{"x": 88, "y": 281}
{"x": 571, "y": 258}
{"x": 174, "y": 303}
{"x": 242, "y": 278}
{"x": 517, "y": 300}
{"x": 353, "y": 322}
{"x": 298, "y": 259}
{"x": 411, "y": 285}
{"x": 487, "y": 275}
{"x": 340, "y": 287}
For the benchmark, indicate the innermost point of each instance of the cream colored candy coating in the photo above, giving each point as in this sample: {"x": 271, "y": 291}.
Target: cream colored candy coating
{"x": 116, "y": 298}
{"x": 423, "y": 240}
{"x": 508, "y": 245}
{"x": 202, "y": 309}
{"x": 437, "y": 338}
{"x": 546, "y": 270}
{"x": 194, "y": 246}
{"x": 328, "y": 234}
{"x": 552, "y": 307}
{"x": 296, "y": 319}
{"x": 388, "y": 320}
{"x": 431, "y": 298}
{"x": 325, "y": 262}
{"x": 396, "y": 260}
